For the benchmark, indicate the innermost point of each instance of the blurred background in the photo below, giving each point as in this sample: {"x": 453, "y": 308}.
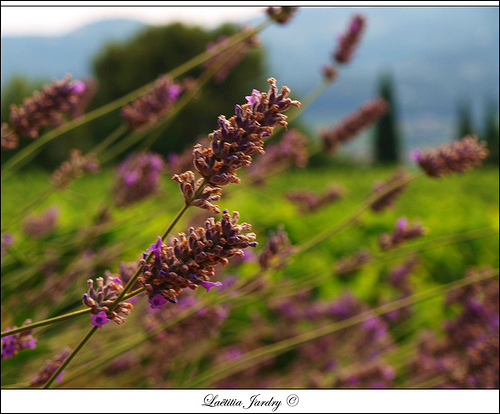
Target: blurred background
{"x": 440, "y": 65}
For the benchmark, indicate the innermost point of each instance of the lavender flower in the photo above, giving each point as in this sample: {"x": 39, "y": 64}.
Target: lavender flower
{"x": 350, "y": 39}
{"x": 229, "y": 58}
{"x": 233, "y": 144}
{"x": 147, "y": 110}
{"x": 50, "y": 368}
{"x": 137, "y": 177}
{"x": 90, "y": 88}
{"x": 12, "y": 344}
{"x": 108, "y": 290}
{"x": 188, "y": 261}
{"x": 277, "y": 250}
{"x": 309, "y": 201}
{"x": 77, "y": 165}
{"x": 46, "y": 108}
{"x": 9, "y": 139}
{"x": 364, "y": 117}
{"x": 281, "y": 15}
{"x": 404, "y": 232}
{"x": 7, "y": 241}
{"x": 291, "y": 150}
{"x": 329, "y": 72}
{"x": 99, "y": 319}
{"x": 459, "y": 156}
{"x": 40, "y": 226}
{"x": 195, "y": 195}
{"x": 388, "y": 199}
{"x": 348, "y": 265}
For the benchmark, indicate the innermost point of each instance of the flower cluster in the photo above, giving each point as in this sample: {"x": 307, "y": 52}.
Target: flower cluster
{"x": 147, "y": 110}
{"x": 85, "y": 97}
{"x": 203, "y": 196}
{"x": 75, "y": 167}
{"x": 9, "y": 139}
{"x": 99, "y": 300}
{"x": 237, "y": 139}
{"x": 404, "y": 232}
{"x": 309, "y": 201}
{"x": 291, "y": 150}
{"x": 398, "y": 279}
{"x": 229, "y": 58}
{"x": 188, "y": 261}
{"x": 12, "y": 344}
{"x": 364, "y": 117}
{"x": 467, "y": 357}
{"x": 138, "y": 176}
{"x": 46, "y": 108}
{"x": 349, "y": 40}
{"x": 387, "y": 200}
{"x": 376, "y": 375}
{"x": 277, "y": 250}
{"x": 40, "y": 226}
{"x": 281, "y": 15}
{"x": 7, "y": 241}
{"x": 459, "y": 156}
{"x": 348, "y": 265}
{"x": 50, "y": 368}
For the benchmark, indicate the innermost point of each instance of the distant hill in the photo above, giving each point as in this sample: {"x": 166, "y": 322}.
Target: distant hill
{"x": 438, "y": 56}
{"x": 55, "y": 56}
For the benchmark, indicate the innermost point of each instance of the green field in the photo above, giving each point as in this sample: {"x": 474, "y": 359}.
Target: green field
{"x": 460, "y": 214}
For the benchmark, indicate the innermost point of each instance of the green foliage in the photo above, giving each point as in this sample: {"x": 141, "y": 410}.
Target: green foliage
{"x": 387, "y": 137}
{"x": 123, "y": 67}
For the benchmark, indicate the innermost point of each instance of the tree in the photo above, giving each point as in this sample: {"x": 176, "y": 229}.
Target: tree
{"x": 123, "y": 67}
{"x": 464, "y": 119}
{"x": 387, "y": 141}
{"x": 491, "y": 132}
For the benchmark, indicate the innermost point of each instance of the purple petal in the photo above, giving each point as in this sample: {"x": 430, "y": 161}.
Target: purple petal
{"x": 209, "y": 285}
{"x": 157, "y": 302}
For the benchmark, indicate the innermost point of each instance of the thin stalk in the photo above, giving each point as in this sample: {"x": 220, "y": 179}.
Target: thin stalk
{"x": 72, "y": 355}
{"x": 268, "y": 351}
{"x": 360, "y": 210}
{"x": 27, "y": 153}
{"x": 61, "y": 318}
{"x": 121, "y": 296}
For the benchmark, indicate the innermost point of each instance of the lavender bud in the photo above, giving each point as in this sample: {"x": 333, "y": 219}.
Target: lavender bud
{"x": 50, "y": 368}
{"x": 277, "y": 250}
{"x": 40, "y": 226}
{"x": 404, "y": 232}
{"x": 77, "y": 165}
{"x": 9, "y": 139}
{"x": 387, "y": 200}
{"x": 459, "y": 156}
{"x": 47, "y": 107}
{"x": 146, "y": 111}
{"x": 349, "y": 40}
{"x": 137, "y": 177}
{"x": 281, "y": 15}
{"x": 364, "y": 117}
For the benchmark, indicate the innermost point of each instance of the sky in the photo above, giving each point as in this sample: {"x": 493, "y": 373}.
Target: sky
{"x": 17, "y": 21}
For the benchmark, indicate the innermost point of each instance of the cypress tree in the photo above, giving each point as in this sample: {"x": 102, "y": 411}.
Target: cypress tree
{"x": 387, "y": 145}
{"x": 464, "y": 119}
{"x": 491, "y": 133}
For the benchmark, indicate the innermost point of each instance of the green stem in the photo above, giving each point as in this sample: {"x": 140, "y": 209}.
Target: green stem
{"x": 61, "y": 318}
{"x": 121, "y": 296}
{"x": 117, "y": 133}
{"x": 268, "y": 351}
{"x": 360, "y": 210}
{"x": 72, "y": 355}
{"x": 46, "y": 322}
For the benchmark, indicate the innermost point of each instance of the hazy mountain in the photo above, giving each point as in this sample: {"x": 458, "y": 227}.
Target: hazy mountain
{"x": 55, "y": 56}
{"x": 436, "y": 55}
